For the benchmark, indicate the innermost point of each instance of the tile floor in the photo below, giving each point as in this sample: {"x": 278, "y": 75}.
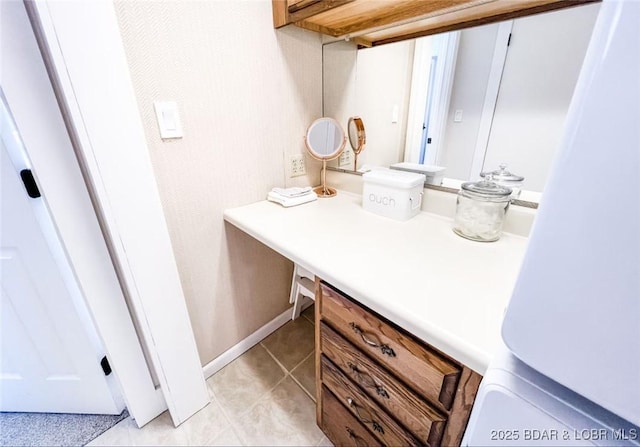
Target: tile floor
{"x": 264, "y": 397}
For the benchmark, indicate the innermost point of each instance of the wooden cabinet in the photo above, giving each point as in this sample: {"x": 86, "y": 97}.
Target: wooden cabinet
{"x": 371, "y": 23}
{"x": 389, "y": 387}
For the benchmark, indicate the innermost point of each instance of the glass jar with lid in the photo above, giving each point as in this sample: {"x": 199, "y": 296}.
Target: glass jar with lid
{"x": 480, "y": 210}
{"x": 507, "y": 179}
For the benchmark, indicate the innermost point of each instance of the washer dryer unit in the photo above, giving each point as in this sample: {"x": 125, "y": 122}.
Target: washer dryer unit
{"x": 517, "y": 405}
{"x": 570, "y": 371}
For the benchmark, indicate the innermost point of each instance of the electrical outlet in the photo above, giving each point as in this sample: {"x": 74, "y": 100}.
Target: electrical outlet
{"x": 346, "y": 158}
{"x": 297, "y": 167}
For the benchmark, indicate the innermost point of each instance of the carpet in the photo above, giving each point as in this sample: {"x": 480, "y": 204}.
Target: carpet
{"x": 52, "y": 429}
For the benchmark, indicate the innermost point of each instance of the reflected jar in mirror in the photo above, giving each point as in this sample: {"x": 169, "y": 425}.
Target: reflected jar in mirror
{"x": 480, "y": 210}
{"x": 507, "y": 179}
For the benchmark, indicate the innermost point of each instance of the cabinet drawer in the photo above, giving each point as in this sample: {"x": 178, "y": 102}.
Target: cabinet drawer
{"x": 424, "y": 370}
{"x": 426, "y": 423}
{"x": 379, "y": 423}
{"x": 342, "y": 428}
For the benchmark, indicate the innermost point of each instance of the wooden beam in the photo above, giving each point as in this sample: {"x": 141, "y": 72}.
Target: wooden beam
{"x": 442, "y": 26}
{"x": 280, "y": 13}
{"x": 365, "y": 15}
{"x": 315, "y": 8}
{"x": 297, "y": 5}
{"x": 400, "y": 20}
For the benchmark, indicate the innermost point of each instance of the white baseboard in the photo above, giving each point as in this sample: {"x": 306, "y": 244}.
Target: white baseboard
{"x": 237, "y": 350}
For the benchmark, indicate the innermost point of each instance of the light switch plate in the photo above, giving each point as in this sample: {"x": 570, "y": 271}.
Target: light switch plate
{"x": 168, "y": 119}
{"x": 395, "y": 113}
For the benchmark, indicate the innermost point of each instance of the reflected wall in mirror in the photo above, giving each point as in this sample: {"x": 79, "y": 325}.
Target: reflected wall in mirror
{"x": 469, "y": 100}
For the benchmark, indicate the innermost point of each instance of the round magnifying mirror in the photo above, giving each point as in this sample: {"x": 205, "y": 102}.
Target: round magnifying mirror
{"x": 325, "y": 140}
{"x": 357, "y": 138}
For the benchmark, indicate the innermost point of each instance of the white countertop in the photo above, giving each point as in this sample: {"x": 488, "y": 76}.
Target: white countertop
{"x": 449, "y": 291}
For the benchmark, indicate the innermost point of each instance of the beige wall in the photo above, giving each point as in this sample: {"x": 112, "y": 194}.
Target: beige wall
{"x": 246, "y": 94}
{"x": 473, "y": 66}
{"x": 369, "y": 83}
{"x": 534, "y": 94}
{"x": 384, "y": 82}
{"x": 339, "y": 61}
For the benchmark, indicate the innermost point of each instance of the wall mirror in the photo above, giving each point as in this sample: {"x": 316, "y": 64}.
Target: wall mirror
{"x": 325, "y": 140}
{"x": 468, "y": 100}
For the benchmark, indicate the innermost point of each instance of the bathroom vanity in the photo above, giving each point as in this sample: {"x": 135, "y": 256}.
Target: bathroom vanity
{"x": 407, "y": 315}
{"x": 382, "y": 374}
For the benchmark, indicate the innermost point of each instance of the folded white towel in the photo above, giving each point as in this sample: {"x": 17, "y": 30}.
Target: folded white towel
{"x": 291, "y": 201}
{"x": 293, "y": 192}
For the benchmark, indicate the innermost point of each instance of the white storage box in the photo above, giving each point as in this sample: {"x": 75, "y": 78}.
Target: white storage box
{"x": 434, "y": 174}
{"x": 393, "y": 194}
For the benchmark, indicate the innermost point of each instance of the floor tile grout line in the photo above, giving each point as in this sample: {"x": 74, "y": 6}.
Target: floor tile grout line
{"x": 295, "y": 366}
{"x": 282, "y": 367}
{"x": 250, "y": 407}
{"x": 303, "y": 388}
{"x": 233, "y": 428}
{"x": 275, "y": 359}
{"x": 304, "y": 359}
{"x": 310, "y": 320}
{"x": 215, "y": 400}
{"x": 224, "y": 412}
{"x": 233, "y": 422}
{"x": 290, "y": 373}
{"x": 258, "y": 399}
{"x": 274, "y": 356}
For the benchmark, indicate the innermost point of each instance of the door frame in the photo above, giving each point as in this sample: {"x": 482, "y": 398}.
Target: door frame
{"x": 446, "y": 47}
{"x": 33, "y": 106}
{"x": 106, "y": 159}
{"x": 491, "y": 97}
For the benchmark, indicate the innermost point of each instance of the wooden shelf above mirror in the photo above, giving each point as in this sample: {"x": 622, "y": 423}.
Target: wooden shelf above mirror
{"x": 376, "y": 22}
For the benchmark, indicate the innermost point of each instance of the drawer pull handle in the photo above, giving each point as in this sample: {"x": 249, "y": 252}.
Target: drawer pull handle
{"x": 367, "y": 381}
{"x": 353, "y": 435}
{"x": 375, "y": 425}
{"x": 384, "y": 348}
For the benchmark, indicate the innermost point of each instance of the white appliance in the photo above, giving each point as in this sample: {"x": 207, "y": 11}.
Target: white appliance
{"x": 572, "y": 327}
{"x": 517, "y": 405}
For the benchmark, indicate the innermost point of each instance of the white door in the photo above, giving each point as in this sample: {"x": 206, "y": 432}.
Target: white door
{"x": 431, "y": 85}
{"x": 50, "y": 353}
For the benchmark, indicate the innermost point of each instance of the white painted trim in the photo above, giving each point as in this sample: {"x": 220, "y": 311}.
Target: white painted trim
{"x": 243, "y": 346}
{"x": 424, "y": 49}
{"x": 442, "y": 109}
{"x": 37, "y": 116}
{"x": 419, "y": 84}
{"x": 490, "y": 98}
{"x": 86, "y": 54}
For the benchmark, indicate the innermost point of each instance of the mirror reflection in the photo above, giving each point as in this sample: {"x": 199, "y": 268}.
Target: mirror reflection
{"x": 357, "y": 138}
{"x": 467, "y": 101}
